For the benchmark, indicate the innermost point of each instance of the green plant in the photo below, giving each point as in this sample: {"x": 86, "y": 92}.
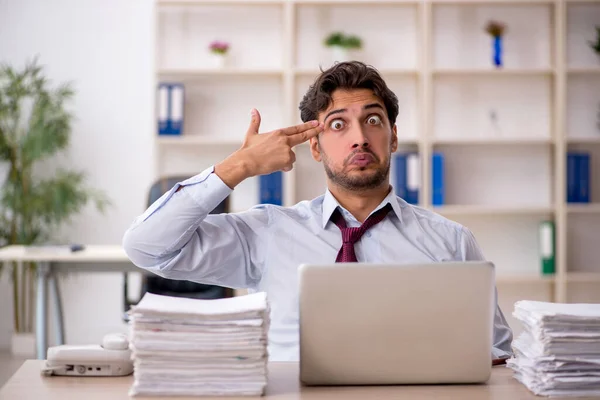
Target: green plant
{"x": 35, "y": 126}
{"x": 495, "y": 28}
{"x": 340, "y": 39}
{"x": 596, "y": 45}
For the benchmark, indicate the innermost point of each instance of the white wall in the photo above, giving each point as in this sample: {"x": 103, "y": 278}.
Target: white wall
{"x": 105, "y": 48}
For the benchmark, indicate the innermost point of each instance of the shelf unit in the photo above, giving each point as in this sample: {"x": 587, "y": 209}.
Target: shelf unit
{"x": 436, "y": 57}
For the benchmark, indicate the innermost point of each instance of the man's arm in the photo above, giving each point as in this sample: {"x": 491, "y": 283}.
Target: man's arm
{"x": 502, "y": 333}
{"x": 177, "y": 238}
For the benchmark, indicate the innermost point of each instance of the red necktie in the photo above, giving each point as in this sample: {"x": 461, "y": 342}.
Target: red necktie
{"x": 352, "y": 235}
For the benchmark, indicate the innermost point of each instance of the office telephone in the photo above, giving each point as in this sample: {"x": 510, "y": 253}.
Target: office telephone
{"x": 111, "y": 358}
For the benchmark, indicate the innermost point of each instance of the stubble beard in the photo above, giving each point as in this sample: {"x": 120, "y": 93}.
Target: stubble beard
{"x": 361, "y": 182}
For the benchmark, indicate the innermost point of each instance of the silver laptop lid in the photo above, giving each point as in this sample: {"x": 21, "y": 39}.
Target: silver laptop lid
{"x": 394, "y": 324}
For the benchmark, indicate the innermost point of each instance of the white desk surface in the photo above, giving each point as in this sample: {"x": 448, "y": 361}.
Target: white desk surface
{"x": 283, "y": 384}
{"x": 91, "y": 253}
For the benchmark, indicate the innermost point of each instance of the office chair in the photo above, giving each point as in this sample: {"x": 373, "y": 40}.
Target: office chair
{"x": 172, "y": 287}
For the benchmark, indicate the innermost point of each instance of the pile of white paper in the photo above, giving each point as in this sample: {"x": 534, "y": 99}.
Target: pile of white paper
{"x": 558, "y": 354}
{"x": 190, "y": 347}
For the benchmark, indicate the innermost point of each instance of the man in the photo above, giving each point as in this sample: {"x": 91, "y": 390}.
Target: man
{"x": 349, "y": 118}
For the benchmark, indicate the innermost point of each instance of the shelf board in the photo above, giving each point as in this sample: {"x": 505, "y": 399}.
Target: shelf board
{"x": 583, "y": 208}
{"x": 183, "y": 73}
{"x": 313, "y": 72}
{"x": 196, "y": 140}
{"x": 452, "y": 210}
{"x": 488, "y": 72}
{"x": 354, "y": 2}
{"x": 583, "y": 140}
{"x": 220, "y": 2}
{"x": 584, "y": 70}
{"x": 583, "y": 277}
{"x": 485, "y": 2}
{"x": 493, "y": 141}
{"x": 525, "y": 278}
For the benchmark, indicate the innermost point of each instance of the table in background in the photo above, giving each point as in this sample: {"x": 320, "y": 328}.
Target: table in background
{"x": 283, "y": 384}
{"x": 50, "y": 261}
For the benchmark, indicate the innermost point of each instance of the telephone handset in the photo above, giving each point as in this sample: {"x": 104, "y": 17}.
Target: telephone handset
{"x": 111, "y": 358}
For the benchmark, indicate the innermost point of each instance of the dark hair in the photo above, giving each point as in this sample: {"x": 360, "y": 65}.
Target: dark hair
{"x": 346, "y": 75}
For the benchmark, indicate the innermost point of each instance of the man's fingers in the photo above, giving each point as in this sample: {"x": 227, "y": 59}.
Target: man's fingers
{"x": 296, "y": 129}
{"x": 254, "y": 122}
{"x": 302, "y": 137}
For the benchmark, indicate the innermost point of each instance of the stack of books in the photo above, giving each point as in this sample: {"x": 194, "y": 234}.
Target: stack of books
{"x": 558, "y": 354}
{"x": 191, "y": 347}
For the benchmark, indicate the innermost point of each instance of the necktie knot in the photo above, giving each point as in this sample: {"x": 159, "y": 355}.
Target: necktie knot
{"x": 353, "y": 235}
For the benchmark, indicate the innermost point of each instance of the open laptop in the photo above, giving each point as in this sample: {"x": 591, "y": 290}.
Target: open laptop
{"x": 372, "y": 324}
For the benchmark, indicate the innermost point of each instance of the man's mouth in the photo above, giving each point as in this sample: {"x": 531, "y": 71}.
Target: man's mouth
{"x": 362, "y": 159}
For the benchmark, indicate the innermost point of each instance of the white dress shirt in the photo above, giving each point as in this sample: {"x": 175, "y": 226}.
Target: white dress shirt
{"x": 261, "y": 249}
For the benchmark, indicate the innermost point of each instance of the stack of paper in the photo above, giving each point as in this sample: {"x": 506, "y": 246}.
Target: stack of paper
{"x": 190, "y": 347}
{"x": 558, "y": 354}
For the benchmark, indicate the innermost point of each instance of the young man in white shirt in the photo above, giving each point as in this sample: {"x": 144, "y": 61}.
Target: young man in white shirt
{"x": 349, "y": 117}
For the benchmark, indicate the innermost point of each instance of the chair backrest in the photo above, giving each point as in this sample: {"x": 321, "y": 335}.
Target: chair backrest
{"x": 182, "y": 288}
{"x": 164, "y": 184}
{"x": 171, "y": 287}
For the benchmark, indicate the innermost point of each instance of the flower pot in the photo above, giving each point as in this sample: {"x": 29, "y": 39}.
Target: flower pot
{"x": 23, "y": 345}
{"x": 339, "y": 54}
{"x": 218, "y": 60}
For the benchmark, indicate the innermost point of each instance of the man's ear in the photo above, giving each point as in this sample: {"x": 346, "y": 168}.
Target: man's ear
{"x": 394, "y": 144}
{"x": 315, "y": 151}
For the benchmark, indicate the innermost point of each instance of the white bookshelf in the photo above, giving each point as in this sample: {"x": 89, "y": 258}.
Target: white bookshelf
{"x": 504, "y": 132}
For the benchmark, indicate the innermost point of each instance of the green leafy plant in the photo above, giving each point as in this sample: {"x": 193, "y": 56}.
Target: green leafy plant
{"x": 495, "y": 28}
{"x": 35, "y": 126}
{"x": 340, "y": 39}
{"x": 595, "y": 45}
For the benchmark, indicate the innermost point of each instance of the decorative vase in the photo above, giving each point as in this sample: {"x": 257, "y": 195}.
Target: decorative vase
{"x": 23, "y": 345}
{"x": 218, "y": 60}
{"x": 340, "y": 54}
{"x": 497, "y": 44}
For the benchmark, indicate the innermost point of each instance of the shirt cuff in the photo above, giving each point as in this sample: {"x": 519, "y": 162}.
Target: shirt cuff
{"x": 206, "y": 189}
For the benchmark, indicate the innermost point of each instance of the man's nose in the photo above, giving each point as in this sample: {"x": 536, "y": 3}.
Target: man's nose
{"x": 359, "y": 139}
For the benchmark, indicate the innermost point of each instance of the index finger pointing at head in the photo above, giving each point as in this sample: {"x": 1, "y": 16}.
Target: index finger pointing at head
{"x": 296, "y": 129}
{"x": 302, "y": 137}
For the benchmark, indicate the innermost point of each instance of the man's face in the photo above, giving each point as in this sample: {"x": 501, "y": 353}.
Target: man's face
{"x": 357, "y": 141}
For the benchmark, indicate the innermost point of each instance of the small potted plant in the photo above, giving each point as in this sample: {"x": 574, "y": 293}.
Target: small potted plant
{"x": 595, "y": 45}
{"x": 218, "y": 51}
{"x": 496, "y": 30}
{"x": 341, "y": 44}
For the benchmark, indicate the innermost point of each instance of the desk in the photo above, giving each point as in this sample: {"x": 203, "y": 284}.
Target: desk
{"x": 96, "y": 258}
{"x": 27, "y": 383}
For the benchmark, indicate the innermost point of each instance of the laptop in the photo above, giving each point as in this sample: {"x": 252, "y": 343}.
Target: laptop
{"x": 376, "y": 324}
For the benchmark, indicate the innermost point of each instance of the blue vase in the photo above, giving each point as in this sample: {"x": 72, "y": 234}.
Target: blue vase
{"x": 498, "y": 51}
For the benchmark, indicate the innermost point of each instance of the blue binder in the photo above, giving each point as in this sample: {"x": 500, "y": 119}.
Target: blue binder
{"x": 437, "y": 179}
{"x": 171, "y": 101}
{"x": 271, "y": 188}
{"x": 583, "y": 166}
{"x": 413, "y": 180}
{"x": 407, "y": 176}
{"x": 578, "y": 177}
{"x": 400, "y": 169}
{"x": 572, "y": 174}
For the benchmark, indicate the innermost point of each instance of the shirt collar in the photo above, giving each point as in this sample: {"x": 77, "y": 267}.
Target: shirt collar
{"x": 330, "y": 204}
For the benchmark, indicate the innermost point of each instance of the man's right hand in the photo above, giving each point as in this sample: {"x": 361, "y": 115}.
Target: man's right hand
{"x": 265, "y": 153}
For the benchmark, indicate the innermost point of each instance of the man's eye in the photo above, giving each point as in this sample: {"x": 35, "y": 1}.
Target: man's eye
{"x": 374, "y": 120}
{"x": 336, "y": 124}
